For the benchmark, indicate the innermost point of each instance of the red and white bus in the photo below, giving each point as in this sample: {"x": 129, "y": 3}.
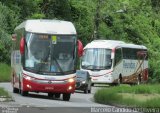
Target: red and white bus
{"x": 44, "y": 56}
{"x": 115, "y": 62}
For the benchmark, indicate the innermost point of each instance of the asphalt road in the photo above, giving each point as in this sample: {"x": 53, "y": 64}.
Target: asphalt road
{"x": 78, "y": 99}
{"x": 41, "y": 103}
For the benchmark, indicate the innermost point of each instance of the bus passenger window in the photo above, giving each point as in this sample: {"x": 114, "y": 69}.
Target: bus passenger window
{"x": 118, "y": 56}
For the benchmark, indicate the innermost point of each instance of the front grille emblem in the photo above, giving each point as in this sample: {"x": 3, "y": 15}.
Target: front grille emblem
{"x": 50, "y": 82}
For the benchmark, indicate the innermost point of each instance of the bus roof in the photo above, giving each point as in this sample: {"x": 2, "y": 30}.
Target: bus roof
{"x": 110, "y": 44}
{"x": 47, "y": 26}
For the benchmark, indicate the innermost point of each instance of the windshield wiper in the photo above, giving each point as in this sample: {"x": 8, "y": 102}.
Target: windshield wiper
{"x": 87, "y": 66}
{"x": 96, "y": 67}
{"x": 49, "y": 55}
{"x": 41, "y": 65}
{"x": 59, "y": 67}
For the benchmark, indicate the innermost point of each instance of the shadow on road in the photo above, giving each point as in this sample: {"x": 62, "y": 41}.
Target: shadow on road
{"x": 38, "y": 95}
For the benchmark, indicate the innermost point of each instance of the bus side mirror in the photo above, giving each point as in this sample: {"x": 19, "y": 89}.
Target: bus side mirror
{"x": 80, "y": 48}
{"x": 14, "y": 36}
{"x": 22, "y": 45}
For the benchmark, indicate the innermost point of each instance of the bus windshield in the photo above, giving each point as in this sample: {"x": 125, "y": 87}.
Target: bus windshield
{"x": 97, "y": 59}
{"x": 48, "y": 54}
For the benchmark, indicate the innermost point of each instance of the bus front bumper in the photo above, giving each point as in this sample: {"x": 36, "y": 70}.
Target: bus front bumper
{"x": 103, "y": 79}
{"x": 49, "y": 86}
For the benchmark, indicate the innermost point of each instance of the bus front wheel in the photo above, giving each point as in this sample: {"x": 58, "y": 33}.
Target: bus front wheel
{"x": 120, "y": 80}
{"x": 24, "y": 93}
{"x": 92, "y": 84}
{"x": 66, "y": 96}
{"x": 15, "y": 90}
{"x": 138, "y": 80}
{"x": 57, "y": 95}
{"x": 50, "y": 95}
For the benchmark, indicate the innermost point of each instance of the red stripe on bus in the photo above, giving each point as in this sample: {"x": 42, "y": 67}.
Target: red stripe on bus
{"x": 101, "y": 75}
{"x": 48, "y": 79}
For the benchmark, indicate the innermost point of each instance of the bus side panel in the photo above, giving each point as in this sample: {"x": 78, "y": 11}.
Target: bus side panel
{"x": 15, "y": 79}
{"x": 130, "y": 71}
{"x": 16, "y": 59}
{"x": 117, "y": 71}
{"x": 16, "y": 68}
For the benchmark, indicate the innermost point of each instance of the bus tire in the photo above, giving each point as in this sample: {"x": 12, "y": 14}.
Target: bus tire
{"x": 50, "y": 95}
{"x": 120, "y": 79}
{"x": 15, "y": 90}
{"x": 138, "y": 80}
{"x": 89, "y": 87}
{"x": 57, "y": 95}
{"x": 89, "y": 91}
{"x": 92, "y": 84}
{"x": 24, "y": 93}
{"x": 113, "y": 84}
{"x": 86, "y": 90}
{"x": 66, "y": 96}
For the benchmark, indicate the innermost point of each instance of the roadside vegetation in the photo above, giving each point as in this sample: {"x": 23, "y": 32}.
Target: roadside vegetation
{"x": 146, "y": 95}
{"x": 4, "y": 93}
{"x": 5, "y": 96}
{"x": 133, "y": 21}
{"x": 5, "y": 72}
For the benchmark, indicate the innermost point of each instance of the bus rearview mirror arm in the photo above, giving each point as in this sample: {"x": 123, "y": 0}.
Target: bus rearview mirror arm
{"x": 14, "y": 36}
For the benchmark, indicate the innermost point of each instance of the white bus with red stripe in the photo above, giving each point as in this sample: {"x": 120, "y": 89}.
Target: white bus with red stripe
{"x": 44, "y": 56}
{"x": 115, "y": 62}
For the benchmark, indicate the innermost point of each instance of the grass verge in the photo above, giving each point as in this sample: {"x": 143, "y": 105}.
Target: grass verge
{"x": 130, "y": 96}
{"x": 5, "y": 72}
{"x": 3, "y": 93}
{"x": 4, "y": 96}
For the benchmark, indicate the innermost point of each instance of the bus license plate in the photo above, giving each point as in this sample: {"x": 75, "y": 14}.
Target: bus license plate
{"x": 49, "y": 88}
{"x": 95, "y": 79}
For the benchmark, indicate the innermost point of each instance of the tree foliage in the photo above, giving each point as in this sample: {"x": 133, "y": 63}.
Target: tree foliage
{"x": 134, "y": 21}
{"x": 7, "y": 24}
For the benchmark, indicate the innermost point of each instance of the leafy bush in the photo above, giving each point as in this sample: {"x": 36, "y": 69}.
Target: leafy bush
{"x": 115, "y": 95}
{"x": 3, "y": 93}
{"x": 7, "y": 24}
{"x": 134, "y": 21}
{"x": 5, "y": 72}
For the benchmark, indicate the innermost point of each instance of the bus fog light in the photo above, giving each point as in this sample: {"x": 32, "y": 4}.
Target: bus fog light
{"x": 71, "y": 80}
{"x": 29, "y": 86}
{"x": 83, "y": 82}
{"x": 70, "y": 88}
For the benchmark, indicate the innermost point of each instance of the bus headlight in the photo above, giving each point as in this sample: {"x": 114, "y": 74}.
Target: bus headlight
{"x": 83, "y": 82}
{"x": 70, "y": 88}
{"x": 28, "y": 77}
{"x": 71, "y": 80}
{"x": 29, "y": 86}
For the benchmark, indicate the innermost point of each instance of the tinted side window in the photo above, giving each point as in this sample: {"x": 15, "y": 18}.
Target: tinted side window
{"x": 132, "y": 53}
{"x": 118, "y": 56}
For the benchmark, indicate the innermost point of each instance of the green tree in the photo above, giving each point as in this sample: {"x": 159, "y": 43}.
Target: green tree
{"x": 133, "y": 21}
{"x": 83, "y": 13}
{"x": 8, "y": 20}
{"x": 59, "y": 9}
